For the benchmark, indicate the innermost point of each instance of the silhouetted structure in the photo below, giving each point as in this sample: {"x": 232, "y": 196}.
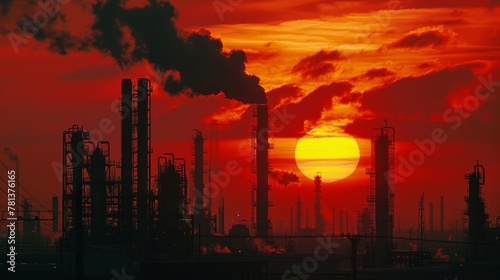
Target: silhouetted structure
{"x": 298, "y": 224}
{"x": 319, "y": 219}
{"x": 200, "y": 219}
{"x": 91, "y": 210}
{"x": 173, "y": 235}
{"x": 478, "y": 219}
{"x": 220, "y": 224}
{"x": 442, "y": 215}
{"x": 421, "y": 223}
{"x": 262, "y": 146}
{"x": 381, "y": 198}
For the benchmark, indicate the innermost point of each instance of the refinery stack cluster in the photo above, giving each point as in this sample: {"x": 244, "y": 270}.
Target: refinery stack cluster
{"x": 119, "y": 213}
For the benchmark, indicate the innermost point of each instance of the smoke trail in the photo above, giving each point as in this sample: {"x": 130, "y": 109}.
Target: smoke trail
{"x": 195, "y": 62}
{"x": 284, "y": 178}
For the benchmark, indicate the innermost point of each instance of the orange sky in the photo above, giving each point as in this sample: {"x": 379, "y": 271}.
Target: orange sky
{"x": 340, "y": 66}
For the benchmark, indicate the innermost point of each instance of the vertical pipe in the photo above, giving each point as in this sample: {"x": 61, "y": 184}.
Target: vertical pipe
{"x": 77, "y": 165}
{"x": 262, "y": 170}
{"x": 442, "y": 215}
{"x": 341, "y": 223}
{"x": 143, "y": 164}
{"x": 126, "y": 168}
{"x": 55, "y": 213}
{"x": 199, "y": 206}
{"x": 299, "y": 216}
{"x": 346, "y": 220}
{"x": 333, "y": 221}
{"x": 307, "y": 218}
{"x": 431, "y": 217}
{"x": 98, "y": 194}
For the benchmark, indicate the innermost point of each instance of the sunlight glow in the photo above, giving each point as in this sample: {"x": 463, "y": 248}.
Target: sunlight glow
{"x": 335, "y": 157}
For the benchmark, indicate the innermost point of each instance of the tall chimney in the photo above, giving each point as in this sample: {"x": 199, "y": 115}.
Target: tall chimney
{"x": 442, "y": 215}
{"x": 126, "y": 167}
{"x": 299, "y": 216}
{"x": 55, "y": 213}
{"x": 262, "y": 170}
{"x": 333, "y": 221}
{"x": 431, "y": 217}
{"x": 341, "y": 222}
{"x": 307, "y": 218}
{"x": 143, "y": 155}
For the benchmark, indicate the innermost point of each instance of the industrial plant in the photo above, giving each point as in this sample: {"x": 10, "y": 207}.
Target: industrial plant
{"x": 124, "y": 217}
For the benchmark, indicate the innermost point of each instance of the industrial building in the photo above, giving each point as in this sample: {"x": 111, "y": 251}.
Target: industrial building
{"x": 120, "y": 213}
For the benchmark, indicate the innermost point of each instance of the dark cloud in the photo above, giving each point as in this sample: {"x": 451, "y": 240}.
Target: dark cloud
{"x": 287, "y": 120}
{"x": 427, "y": 64}
{"x": 284, "y": 178}
{"x": 282, "y": 95}
{"x": 435, "y": 36}
{"x": 418, "y": 96}
{"x": 317, "y": 64}
{"x": 148, "y": 33}
{"x": 376, "y": 73}
{"x": 203, "y": 66}
{"x": 418, "y": 105}
{"x": 311, "y": 107}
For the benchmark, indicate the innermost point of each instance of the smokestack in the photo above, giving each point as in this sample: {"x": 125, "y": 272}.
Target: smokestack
{"x": 346, "y": 220}
{"x": 262, "y": 154}
{"x": 341, "y": 222}
{"x": 221, "y": 216}
{"x": 299, "y": 215}
{"x": 442, "y": 215}
{"x": 431, "y": 217}
{"x": 55, "y": 213}
{"x": 199, "y": 206}
{"x": 319, "y": 227}
{"x": 307, "y": 218}
{"x": 126, "y": 167}
{"x": 143, "y": 155}
{"x": 333, "y": 221}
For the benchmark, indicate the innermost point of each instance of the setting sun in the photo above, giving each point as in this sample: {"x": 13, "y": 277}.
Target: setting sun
{"x": 335, "y": 157}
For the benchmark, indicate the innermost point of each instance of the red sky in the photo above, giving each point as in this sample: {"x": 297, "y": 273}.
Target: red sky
{"x": 340, "y": 66}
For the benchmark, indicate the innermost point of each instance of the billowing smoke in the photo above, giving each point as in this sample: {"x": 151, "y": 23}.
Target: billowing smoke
{"x": 13, "y": 157}
{"x": 194, "y": 62}
{"x": 284, "y": 178}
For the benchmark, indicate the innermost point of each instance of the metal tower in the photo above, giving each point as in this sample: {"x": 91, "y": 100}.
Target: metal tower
{"x": 476, "y": 212}
{"x": 421, "y": 223}
{"x": 261, "y": 145}
{"x": 298, "y": 224}
{"x": 319, "y": 219}
{"x": 382, "y": 190}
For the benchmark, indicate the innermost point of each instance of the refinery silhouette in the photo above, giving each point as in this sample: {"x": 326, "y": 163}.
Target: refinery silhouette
{"x": 120, "y": 219}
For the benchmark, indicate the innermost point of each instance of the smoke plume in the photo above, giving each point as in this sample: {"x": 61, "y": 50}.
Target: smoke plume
{"x": 195, "y": 62}
{"x": 284, "y": 178}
